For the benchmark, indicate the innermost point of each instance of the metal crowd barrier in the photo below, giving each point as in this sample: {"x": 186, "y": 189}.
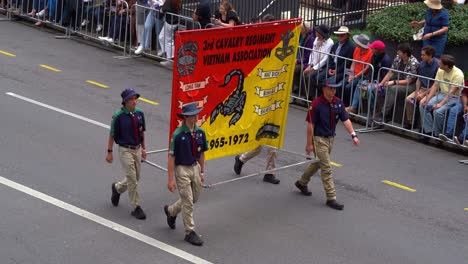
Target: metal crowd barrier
{"x": 398, "y": 121}
{"x": 367, "y": 107}
{"x": 154, "y": 21}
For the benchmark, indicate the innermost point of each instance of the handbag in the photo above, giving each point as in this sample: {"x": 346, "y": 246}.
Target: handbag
{"x": 419, "y": 34}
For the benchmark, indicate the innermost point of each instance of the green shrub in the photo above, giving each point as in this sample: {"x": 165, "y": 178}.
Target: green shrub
{"x": 393, "y": 23}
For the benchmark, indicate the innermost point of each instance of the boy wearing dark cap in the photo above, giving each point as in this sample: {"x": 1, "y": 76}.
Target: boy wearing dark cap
{"x": 127, "y": 130}
{"x": 322, "y": 117}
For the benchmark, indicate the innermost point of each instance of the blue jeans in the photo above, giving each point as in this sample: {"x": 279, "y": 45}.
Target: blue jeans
{"x": 97, "y": 13}
{"x": 151, "y": 20}
{"x": 38, "y": 5}
{"x": 357, "y": 96}
{"x": 455, "y": 111}
{"x": 434, "y": 124}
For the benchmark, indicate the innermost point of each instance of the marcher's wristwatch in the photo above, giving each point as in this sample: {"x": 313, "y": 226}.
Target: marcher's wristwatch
{"x": 354, "y": 135}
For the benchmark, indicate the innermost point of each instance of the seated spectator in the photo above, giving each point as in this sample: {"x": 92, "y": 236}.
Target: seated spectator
{"x": 202, "y": 14}
{"x": 358, "y": 70}
{"x": 440, "y": 100}
{"x": 395, "y": 82}
{"x": 306, "y": 40}
{"x": 379, "y": 60}
{"x": 152, "y": 20}
{"x": 166, "y": 37}
{"x": 118, "y": 23}
{"x": 36, "y": 5}
{"x": 428, "y": 69}
{"x": 227, "y": 16}
{"x": 317, "y": 59}
{"x": 460, "y": 109}
{"x": 95, "y": 12}
{"x": 338, "y": 66}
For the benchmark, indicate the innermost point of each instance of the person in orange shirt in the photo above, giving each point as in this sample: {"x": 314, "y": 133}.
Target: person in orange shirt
{"x": 358, "y": 71}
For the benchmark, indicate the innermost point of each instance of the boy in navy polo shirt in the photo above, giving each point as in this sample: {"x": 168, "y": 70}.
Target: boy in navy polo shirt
{"x": 127, "y": 130}
{"x": 186, "y": 161}
{"x": 322, "y": 117}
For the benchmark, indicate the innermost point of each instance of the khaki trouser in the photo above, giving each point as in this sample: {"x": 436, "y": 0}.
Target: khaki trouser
{"x": 189, "y": 186}
{"x": 322, "y": 149}
{"x": 270, "y": 159}
{"x": 131, "y": 165}
{"x": 410, "y": 107}
{"x": 385, "y": 104}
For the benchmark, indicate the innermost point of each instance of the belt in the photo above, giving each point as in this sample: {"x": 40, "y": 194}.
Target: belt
{"x": 131, "y": 147}
{"x": 193, "y": 164}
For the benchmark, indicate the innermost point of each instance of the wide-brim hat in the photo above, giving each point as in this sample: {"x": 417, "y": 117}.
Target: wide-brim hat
{"x": 433, "y": 4}
{"x": 362, "y": 40}
{"x": 342, "y": 30}
{"x": 128, "y": 93}
{"x": 327, "y": 83}
{"x": 323, "y": 30}
{"x": 189, "y": 110}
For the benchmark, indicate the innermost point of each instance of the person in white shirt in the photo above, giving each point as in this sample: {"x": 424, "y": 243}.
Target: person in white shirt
{"x": 318, "y": 59}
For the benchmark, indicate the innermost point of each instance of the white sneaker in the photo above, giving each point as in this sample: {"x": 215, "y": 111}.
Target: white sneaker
{"x": 444, "y": 138}
{"x": 466, "y": 143}
{"x": 106, "y": 39}
{"x": 160, "y": 53}
{"x": 99, "y": 28}
{"x": 167, "y": 63}
{"x": 139, "y": 50}
{"x": 455, "y": 139}
{"x": 84, "y": 23}
{"x": 41, "y": 14}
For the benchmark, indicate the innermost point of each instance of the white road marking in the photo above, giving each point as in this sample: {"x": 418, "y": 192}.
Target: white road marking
{"x": 90, "y": 216}
{"x": 102, "y": 221}
{"x": 59, "y": 110}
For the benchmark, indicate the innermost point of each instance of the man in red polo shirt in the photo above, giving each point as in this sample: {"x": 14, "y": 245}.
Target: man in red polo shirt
{"x": 322, "y": 117}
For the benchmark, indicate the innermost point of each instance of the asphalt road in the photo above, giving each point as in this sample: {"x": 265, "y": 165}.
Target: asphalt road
{"x": 60, "y": 211}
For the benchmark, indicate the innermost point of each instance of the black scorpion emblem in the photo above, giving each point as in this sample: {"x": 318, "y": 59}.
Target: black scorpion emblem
{"x": 283, "y": 52}
{"x": 235, "y": 102}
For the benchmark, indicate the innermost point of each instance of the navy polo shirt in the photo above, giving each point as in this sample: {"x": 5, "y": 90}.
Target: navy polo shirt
{"x": 324, "y": 115}
{"x": 428, "y": 70}
{"x": 122, "y": 129}
{"x": 182, "y": 145}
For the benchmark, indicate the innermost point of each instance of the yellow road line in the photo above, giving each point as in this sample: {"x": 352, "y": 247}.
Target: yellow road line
{"x": 49, "y": 68}
{"x": 97, "y": 84}
{"x": 148, "y": 101}
{"x": 394, "y": 184}
{"x": 336, "y": 164}
{"x": 7, "y": 53}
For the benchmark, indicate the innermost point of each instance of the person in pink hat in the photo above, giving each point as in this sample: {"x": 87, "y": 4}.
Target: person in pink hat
{"x": 379, "y": 60}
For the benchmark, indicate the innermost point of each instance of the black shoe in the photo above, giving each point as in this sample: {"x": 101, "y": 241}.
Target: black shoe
{"x": 194, "y": 239}
{"x": 335, "y": 205}
{"x": 115, "y": 195}
{"x": 304, "y": 190}
{"x": 138, "y": 213}
{"x": 270, "y": 178}
{"x": 170, "y": 219}
{"x": 238, "y": 165}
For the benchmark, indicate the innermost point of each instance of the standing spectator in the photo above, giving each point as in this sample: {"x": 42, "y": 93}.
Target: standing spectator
{"x": 118, "y": 22}
{"x": 166, "y": 37}
{"x": 435, "y": 26}
{"x": 227, "y": 16}
{"x": 152, "y": 20}
{"x": 322, "y": 117}
{"x": 306, "y": 44}
{"x": 358, "y": 70}
{"x": 127, "y": 130}
{"x": 461, "y": 108}
{"x": 202, "y": 14}
{"x": 94, "y": 10}
{"x": 379, "y": 60}
{"x": 318, "y": 58}
{"x": 343, "y": 48}
{"x": 428, "y": 69}
{"x": 403, "y": 62}
{"x": 434, "y": 106}
{"x": 186, "y": 162}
